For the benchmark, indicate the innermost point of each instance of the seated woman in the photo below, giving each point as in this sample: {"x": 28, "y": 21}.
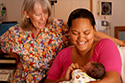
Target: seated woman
{"x": 81, "y": 24}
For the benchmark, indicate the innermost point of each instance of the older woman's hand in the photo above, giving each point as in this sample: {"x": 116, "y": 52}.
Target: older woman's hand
{"x": 20, "y": 66}
{"x": 123, "y": 43}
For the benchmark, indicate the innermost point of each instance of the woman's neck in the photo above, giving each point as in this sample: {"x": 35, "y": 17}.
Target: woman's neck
{"x": 35, "y": 31}
{"x": 87, "y": 51}
{"x": 82, "y": 57}
{"x": 83, "y": 53}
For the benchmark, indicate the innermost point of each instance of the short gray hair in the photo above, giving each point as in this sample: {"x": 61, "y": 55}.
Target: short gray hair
{"x": 30, "y": 4}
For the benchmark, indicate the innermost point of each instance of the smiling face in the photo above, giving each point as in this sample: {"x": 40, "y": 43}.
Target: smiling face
{"x": 82, "y": 34}
{"x": 38, "y": 17}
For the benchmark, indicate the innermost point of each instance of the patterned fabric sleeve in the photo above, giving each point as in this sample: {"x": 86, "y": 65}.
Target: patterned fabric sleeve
{"x": 62, "y": 32}
{"x": 60, "y": 28}
{"x": 65, "y": 32}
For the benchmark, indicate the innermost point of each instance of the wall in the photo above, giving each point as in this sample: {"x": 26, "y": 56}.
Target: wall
{"x": 13, "y": 9}
{"x": 117, "y": 18}
{"x": 64, "y": 7}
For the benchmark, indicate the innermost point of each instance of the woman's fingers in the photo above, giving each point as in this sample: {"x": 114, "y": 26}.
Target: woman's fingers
{"x": 73, "y": 66}
{"x": 77, "y": 65}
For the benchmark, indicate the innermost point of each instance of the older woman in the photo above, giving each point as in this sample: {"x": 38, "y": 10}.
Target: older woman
{"x": 35, "y": 42}
{"x": 82, "y": 28}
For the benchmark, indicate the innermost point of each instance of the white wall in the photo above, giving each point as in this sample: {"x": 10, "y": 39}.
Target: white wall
{"x": 13, "y": 9}
{"x": 118, "y": 16}
{"x": 64, "y": 7}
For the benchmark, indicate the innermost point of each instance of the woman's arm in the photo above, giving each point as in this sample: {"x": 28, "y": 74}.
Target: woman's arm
{"x": 52, "y": 81}
{"x": 110, "y": 77}
{"x": 67, "y": 76}
{"x": 16, "y": 56}
{"x": 109, "y": 56}
{"x": 100, "y": 35}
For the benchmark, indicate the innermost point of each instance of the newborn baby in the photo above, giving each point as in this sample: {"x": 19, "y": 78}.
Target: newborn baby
{"x": 92, "y": 71}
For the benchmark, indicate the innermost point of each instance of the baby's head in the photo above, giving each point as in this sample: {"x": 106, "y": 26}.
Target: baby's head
{"x": 94, "y": 69}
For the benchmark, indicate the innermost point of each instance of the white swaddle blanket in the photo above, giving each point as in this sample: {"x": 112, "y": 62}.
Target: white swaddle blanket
{"x": 79, "y": 77}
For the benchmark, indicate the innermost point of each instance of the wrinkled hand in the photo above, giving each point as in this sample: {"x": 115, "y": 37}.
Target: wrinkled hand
{"x": 72, "y": 67}
{"x": 123, "y": 43}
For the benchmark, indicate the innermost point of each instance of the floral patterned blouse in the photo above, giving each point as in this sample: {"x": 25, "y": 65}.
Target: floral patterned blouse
{"x": 36, "y": 52}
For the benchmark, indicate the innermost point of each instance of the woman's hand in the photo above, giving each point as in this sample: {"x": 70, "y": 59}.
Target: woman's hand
{"x": 16, "y": 56}
{"x": 1, "y": 52}
{"x": 20, "y": 66}
{"x": 122, "y": 43}
{"x": 72, "y": 67}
